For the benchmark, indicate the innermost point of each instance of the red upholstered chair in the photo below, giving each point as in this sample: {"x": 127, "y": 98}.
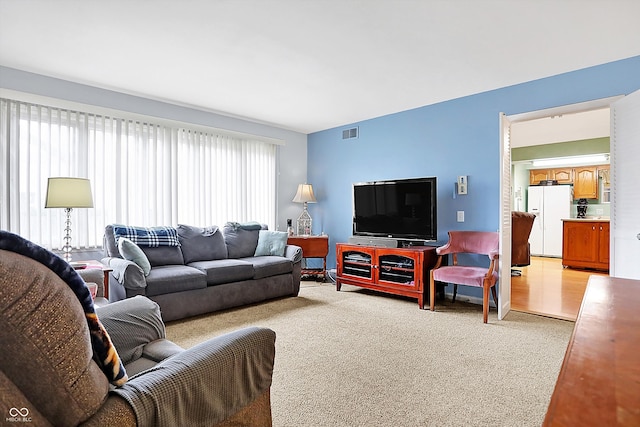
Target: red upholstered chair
{"x": 470, "y": 242}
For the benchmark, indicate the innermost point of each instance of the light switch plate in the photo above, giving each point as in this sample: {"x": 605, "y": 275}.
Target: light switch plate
{"x": 460, "y": 216}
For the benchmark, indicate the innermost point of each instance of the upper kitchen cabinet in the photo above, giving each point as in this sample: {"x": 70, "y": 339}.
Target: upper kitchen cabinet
{"x": 562, "y": 175}
{"x": 537, "y": 175}
{"x": 583, "y": 178}
{"x": 585, "y": 182}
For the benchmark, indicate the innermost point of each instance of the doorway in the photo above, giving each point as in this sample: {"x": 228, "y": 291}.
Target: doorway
{"x": 508, "y": 204}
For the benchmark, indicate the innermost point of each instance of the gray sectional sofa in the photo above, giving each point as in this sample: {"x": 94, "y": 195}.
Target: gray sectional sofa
{"x": 205, "y": 270}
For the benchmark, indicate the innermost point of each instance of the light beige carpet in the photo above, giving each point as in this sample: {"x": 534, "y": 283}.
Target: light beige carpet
{"x": 359, "y": 358}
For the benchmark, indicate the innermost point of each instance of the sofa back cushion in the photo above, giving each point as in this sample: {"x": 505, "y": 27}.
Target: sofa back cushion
{"x": 241, "y": 239}
{"x": 46, "y": 349}
{"x": 201, "y": 244}
{"x": 163, "y": 255}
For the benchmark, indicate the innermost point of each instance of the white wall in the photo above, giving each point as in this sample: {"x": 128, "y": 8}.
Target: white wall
{"x": 292, "y": 155}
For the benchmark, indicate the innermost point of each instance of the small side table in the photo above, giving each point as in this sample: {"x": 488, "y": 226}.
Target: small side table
{"x": 312, "y": 247}
{"x": 105, "y": 269}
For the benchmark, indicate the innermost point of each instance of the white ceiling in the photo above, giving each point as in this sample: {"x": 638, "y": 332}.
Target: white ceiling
{"x": 561, "y": 128}
{"x": 309, "y": 65}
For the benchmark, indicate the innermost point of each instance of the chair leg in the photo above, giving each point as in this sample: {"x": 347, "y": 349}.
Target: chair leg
{"x": 432, "y": 292}
{"x": 495, "y": 295}
{"x": 455, "y": 291}
{"x": 485, "y": 303}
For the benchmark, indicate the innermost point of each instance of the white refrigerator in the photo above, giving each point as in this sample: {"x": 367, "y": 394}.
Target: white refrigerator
{"x": 551, "y": 204}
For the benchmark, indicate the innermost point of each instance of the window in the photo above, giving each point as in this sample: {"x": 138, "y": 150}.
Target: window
{"x": 141, "y": 173}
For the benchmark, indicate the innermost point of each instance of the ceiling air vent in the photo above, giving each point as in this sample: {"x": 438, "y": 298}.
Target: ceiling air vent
{"x": 350, "y": 133}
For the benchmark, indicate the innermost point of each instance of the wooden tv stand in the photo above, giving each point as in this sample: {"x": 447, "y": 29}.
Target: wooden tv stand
{"x": 398, "y": 271}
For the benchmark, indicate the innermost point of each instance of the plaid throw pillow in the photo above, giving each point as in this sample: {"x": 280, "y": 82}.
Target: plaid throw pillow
{"x": 151, "y": 237}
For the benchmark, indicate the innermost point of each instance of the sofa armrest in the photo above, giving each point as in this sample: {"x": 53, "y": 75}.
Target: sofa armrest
{"x": 132, "y": 323}
{"x": 293, "y": 252}
{"x": 218, "y": 377}
{"x": 127, "y": 273}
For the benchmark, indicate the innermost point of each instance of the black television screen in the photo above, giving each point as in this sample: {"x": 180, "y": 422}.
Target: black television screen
{"x": 403, "y": 209}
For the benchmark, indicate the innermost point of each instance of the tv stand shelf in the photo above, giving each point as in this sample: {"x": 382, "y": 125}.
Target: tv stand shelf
{"x": 398, "y": 271}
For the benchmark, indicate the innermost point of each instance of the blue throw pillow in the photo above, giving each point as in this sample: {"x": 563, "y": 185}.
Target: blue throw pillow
{"x": 271, "y": 243}
{"x": 132, "y": 252}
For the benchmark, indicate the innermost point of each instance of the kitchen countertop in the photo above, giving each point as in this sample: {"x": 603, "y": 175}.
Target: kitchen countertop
{"x": 589, "y": 218}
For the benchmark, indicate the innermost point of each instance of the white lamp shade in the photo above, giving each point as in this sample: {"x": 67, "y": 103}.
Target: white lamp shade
{"x": 304, "y": 194}
{"x": 69, "y": 193}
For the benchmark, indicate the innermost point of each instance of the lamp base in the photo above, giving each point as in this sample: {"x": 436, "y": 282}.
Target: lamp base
{"x": 66, "y": 249}
{"x": 303, "y": 223}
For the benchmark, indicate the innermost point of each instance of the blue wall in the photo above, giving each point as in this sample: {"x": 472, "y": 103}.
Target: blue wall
{"x": 457, "y": 137}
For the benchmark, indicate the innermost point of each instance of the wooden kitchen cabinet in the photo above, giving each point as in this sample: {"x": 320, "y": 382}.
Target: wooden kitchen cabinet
{"x": 537, "y": 175}
{"x": 585, "y": 244}
{"x": 585, "y": 182}
{"x": 562, "y": 175}
{"x": 603, "y": 248}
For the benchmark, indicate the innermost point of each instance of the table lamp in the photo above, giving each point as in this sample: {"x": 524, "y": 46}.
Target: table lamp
{"x": 304, "y": 196}
{"x": 68, "y": 193}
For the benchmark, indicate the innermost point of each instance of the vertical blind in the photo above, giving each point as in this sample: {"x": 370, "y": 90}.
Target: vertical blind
{"x": 141, "y": 174}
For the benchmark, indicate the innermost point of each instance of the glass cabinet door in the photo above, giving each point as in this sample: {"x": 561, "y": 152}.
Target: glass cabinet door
{"x": 357, "y": 263}
{"x": 396, "y": 269}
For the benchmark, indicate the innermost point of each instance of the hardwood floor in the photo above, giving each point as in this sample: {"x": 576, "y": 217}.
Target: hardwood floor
{"x": 548, "y": 289}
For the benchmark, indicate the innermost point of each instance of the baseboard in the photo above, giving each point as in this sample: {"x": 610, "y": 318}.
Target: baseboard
{"x": 469, "y": 299}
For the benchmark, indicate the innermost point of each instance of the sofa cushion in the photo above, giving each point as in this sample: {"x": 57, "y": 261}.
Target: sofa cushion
{"x": 174, "y": 278}
{"x": 271, "y": 243}
{"x": 225, "y": 270}
{"x": 267, "y": 266}
{"x": 132, "y": 252}
{"x": 241, "y": 239}
{"x": 201, "y": 244}
{"x": 139, "y": 365}
{"x": 132, "y": 323}
{"x": 163, "y": 255}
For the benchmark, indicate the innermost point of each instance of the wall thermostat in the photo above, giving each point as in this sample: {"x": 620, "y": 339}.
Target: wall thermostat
{"x": 462, "y": 184}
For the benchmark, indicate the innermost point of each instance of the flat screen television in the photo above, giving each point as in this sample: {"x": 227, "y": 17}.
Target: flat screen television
{"x": 401, "y": 208}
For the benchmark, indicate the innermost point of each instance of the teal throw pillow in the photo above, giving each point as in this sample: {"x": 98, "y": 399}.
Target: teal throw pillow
{"x": 132, "y": 252}
{"x": 271, "y": 243}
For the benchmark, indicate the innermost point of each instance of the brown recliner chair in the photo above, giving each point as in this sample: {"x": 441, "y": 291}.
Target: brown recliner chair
{"x": 49, "y": 377}
{"x": 521, "y": 225}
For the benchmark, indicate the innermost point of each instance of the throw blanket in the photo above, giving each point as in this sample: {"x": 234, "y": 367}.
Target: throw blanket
{"x": 104, "y": 352}
{"x": 147, "y": 236}
{"x": 248, "y": 226}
